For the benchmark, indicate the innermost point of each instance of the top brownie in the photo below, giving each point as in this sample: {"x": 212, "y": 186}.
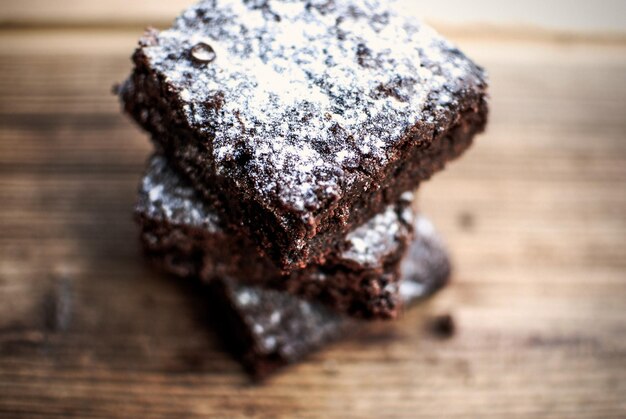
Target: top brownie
{"x": 305, "y": 117}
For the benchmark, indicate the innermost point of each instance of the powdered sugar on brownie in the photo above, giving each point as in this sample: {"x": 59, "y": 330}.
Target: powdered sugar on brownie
{"x": 164, "y": 196}
{"x": 301, "y": 98}
{"x": 281, "y": 323}
{"x": 381, "y": 236}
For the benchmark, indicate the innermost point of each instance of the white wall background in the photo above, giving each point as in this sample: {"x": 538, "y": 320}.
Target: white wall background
{"x": 568, "y": 15}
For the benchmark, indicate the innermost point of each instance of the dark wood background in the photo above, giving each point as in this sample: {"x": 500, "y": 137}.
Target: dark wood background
{"x": 535, "y": 215}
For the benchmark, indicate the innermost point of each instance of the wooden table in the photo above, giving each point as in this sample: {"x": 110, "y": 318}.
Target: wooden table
{"x": 535, "y": 215}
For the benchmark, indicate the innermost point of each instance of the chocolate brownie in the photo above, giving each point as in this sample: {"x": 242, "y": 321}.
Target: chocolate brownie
{"x": 359, "y": 277}
{"x": 306, "y": 118}
{"x": 267, "y": 329}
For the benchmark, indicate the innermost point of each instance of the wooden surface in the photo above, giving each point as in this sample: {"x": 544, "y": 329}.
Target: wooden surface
{"x": 535, "y": 215}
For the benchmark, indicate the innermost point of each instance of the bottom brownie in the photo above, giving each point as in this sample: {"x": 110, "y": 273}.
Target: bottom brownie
{"x": 267, "y": 329}
{"x": 359, "y": 277}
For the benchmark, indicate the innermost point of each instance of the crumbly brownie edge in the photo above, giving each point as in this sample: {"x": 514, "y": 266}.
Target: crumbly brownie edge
{"x": 185, "y": 236}
{"x": 264, "y": 344}
{"x": 368, "y": 293}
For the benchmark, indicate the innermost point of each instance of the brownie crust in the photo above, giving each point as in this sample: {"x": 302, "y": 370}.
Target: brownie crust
{"x": 369, "y": 104}
{"x": 187, "y": 235}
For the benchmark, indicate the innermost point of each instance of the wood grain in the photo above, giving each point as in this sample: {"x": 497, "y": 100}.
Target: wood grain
{"x": 535, "y": 215}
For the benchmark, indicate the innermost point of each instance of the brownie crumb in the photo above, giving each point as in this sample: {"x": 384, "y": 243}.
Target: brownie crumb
{"x": 442, "y": 326}
{"x": 466, "y": 221}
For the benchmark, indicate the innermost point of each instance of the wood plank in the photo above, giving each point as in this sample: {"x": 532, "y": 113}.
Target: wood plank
{"x": 112, "y": 12}
{"x": 534, "y": 216}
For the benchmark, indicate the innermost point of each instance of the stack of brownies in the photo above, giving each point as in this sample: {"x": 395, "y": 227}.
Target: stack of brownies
{"x": 290, "y": 137}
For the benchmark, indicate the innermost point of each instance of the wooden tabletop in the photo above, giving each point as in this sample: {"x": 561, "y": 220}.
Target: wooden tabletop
{"x": 534, "y": 214}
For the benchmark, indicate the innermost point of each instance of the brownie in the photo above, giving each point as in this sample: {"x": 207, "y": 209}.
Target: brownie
{"x": 267, "y": 329}
{"x": 304, "y": 118}
{"x": 186, "y": 233}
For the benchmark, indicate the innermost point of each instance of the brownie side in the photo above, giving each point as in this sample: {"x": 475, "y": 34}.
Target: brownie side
{"x": 364, "y": 96}
{"x": 186, "y": 234}
{"x": 366, "y": 201}
{"x": 267, "y": 329}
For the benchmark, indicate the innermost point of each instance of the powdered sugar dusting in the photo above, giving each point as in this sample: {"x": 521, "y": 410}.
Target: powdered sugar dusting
{"x": 380, "y": 236}
{"x": 310, "y": 92}
{"x": 164, "y": 196}
{"x": 281, "y": 323}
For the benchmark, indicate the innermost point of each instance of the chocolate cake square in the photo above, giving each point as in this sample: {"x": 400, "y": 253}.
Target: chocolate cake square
{"x": 267, "y": 329}
{"x": 304, "y": 118}
{"x": 359, "y": 277}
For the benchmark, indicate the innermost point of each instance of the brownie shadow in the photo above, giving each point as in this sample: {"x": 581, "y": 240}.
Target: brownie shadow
{"x": 118, "y": 292}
